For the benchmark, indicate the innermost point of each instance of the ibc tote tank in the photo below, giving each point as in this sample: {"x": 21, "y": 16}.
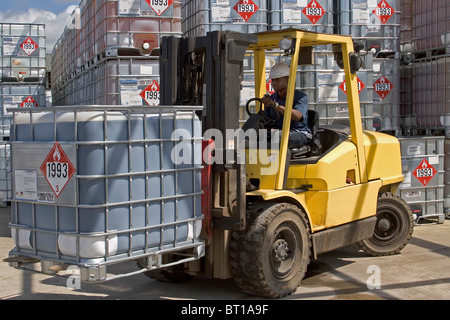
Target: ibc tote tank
{"x": 22, "y": 52}
{"x": 202, "y": 16}
{"x": 132, "y": 24}
{"x": 376, "y": 22}
{"x": 101, "y": 184}
{"x": 312, "y": 15}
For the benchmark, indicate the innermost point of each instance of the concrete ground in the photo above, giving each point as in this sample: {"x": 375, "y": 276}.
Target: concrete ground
{"x": 420, "y": 272}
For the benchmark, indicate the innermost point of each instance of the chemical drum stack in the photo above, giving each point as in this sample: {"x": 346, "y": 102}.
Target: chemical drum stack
{"x": 319, "y": 76}
{"x": 202, "y": 16}
{"x": 423, "y": 168}
{"x": 22, "y": 83}
{"x": 312, "y": 15}
{"x": 425, "y": 77}
{"x": 107, "y": 52}
{"x": 377, "y": 24}
{"x": 324, "y": 83}
{"x": 246, "y": 16}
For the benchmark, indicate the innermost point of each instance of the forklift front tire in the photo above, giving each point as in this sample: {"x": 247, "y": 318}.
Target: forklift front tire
{"x": 270, "y": 258}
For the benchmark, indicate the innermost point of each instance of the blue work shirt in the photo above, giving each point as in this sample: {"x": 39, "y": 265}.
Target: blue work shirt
{"x": 300, "y": 104}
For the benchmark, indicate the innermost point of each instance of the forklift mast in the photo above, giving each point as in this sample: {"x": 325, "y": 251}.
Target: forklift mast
{"x": 203, "y": 71}
{"x": 208, "y": 71}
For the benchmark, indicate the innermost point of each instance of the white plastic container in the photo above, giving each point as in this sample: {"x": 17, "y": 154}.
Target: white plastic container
{"x": 128, "y": 195}
{"x": 373, "y": 21}
{"x": 202, "y": 16}
{"x": 312, "y": 15}
{"x": 22, "y": 51}
{"x": 423, "y": 168}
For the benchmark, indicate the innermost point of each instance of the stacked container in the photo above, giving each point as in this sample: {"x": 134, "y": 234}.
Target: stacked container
{"x": 386, "y": 97}
{"x": 431, "y": 25}
{"x": 312, "y": 15}
{"x": 430, "y": 81}
{"x": 408, "y": 120}
{"x": 131, "y": 24}
{"x": 5, "y": 169}
{"x": 315, "y": 15}
{"x": 423, "y": 168}
{"x": 22, "y": 83}
{"x": 426, "y": 55}
{"x": 113, "y": 81}
{"x": 426, "y": 73}
{"x": 104, "y": 44}
{"x": 22, "y": 52}
{"x": 202, "y": 16}
{"x": 406, "y": 25}
{"x": 377, "y": 24}
{"x": 324, "y": 84}
{"x": 22, "y": 67}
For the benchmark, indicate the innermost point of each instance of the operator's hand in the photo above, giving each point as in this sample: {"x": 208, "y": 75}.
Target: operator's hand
{"x": 267, "y": 101}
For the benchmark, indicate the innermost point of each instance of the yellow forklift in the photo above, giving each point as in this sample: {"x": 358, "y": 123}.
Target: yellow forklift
{"x": 337, "y": 191}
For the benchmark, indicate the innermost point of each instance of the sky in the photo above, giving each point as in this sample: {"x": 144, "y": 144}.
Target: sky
{"x": 52, "y": 13}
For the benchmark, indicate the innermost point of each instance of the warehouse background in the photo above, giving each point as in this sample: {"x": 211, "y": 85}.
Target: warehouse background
{"x": 107, "y": 55}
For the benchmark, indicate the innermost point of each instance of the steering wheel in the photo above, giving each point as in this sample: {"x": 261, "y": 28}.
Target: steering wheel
{"x": 266, "y": 121}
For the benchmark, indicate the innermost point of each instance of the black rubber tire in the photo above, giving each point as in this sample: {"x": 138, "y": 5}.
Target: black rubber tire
{"x": 394, "y": 227}
{"x": 270, "y": 258}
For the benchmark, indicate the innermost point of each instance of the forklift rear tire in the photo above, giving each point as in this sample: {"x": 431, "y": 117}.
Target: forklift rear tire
{"x": 270, "y": 258}
{"x": 394, "y": 227}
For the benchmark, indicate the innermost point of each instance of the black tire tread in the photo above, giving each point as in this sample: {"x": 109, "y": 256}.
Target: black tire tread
{"x": 393, "y": 197}
{"x": 246, "y": 251}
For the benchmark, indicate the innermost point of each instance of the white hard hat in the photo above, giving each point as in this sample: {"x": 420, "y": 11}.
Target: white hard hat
{"x": 279, "y": 70}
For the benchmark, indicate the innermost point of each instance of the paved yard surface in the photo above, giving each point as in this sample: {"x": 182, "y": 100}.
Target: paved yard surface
{"x": 421, "y": 271}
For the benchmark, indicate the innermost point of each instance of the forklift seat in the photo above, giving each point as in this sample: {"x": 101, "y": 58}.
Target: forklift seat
{"x": 314, "y": 147}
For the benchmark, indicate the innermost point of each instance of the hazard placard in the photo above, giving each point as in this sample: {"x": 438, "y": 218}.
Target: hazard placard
{"x": 269, "y": 87}
{"x": 424, "y": 172}
{"x": 313, "y": 11}
{"x": 159, "y": 6}
{"x": 57, "y": 169}
{"x": 359, "y": 83}
{"x": 151, "y": 93}
{"x": 29, "y": 102}
{"x": 246, "y": 9}
{"x": 29, "y": 46}
{"x": 383, "y": 11}
{"x": 382, "y": 86}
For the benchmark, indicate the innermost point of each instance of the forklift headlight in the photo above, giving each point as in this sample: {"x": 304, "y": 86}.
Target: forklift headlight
{"x": 285, "y": 44}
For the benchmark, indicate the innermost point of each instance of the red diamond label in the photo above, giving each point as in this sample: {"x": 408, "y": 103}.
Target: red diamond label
{"x": 57, "y": 169}
{"x": 29, "y": 46}
{"x": 151, "y": 93}
{"x": 383, "y": 11}
{"x": 269, "y": 87}
{"x": 382, "y": 86}
{"x": 313, "y": 11}
{"x": 159, "y": 6}
{"x": 424, "y": 172}
{"x": 246, "y": 9}
{"x": 360, "y": 84}
{"x": 29, "y": 102}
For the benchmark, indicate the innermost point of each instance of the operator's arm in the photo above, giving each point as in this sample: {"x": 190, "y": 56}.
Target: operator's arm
{"x": 300, "y": 107}
{"x": 295, "y": 115}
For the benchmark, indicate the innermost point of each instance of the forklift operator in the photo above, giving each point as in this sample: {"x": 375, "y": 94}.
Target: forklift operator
{"x": 300, "y": 133}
